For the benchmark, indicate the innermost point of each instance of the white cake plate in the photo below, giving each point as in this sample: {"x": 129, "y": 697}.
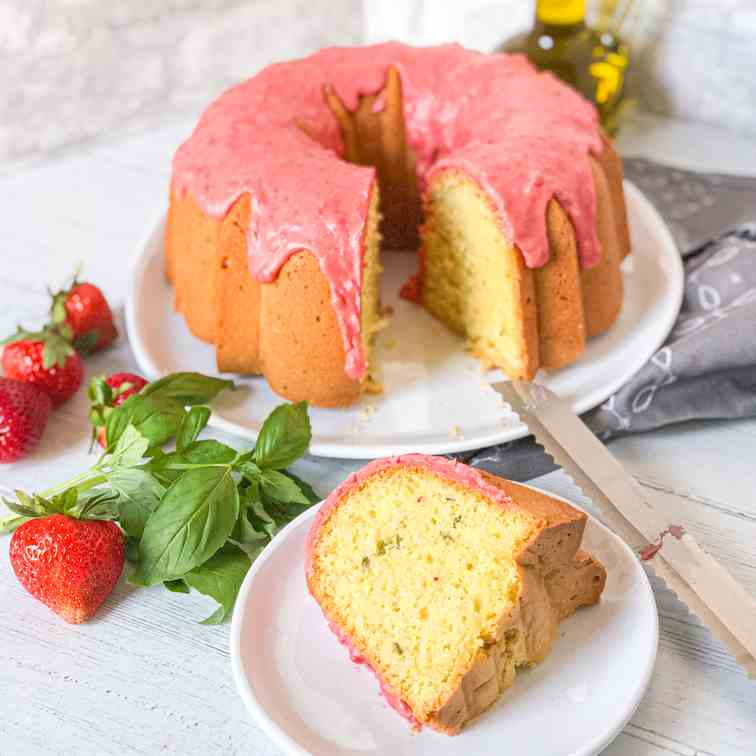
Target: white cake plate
{"x": 301, "y": 688}
{"x": 436, "y": 399}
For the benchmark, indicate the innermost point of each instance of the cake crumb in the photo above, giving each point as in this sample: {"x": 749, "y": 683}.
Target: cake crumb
{"x": 368, "y": 411}
{"x": 390, "y": 343}
{"x": 456, "y": 432}
{"x": 372, "y": 386}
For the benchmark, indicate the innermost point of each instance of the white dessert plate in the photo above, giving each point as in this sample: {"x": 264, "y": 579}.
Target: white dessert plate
{"x": 302, "y": 689}
{"x": 436, "y": 399}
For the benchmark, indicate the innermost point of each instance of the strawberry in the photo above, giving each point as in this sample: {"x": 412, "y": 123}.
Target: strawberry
{"x": 106, "y": 393}
{"x": 83, "y": 309}
{"x": 68, "y": 564}
{"x": 46, "y": 359}
{"x": 24, "y": 410}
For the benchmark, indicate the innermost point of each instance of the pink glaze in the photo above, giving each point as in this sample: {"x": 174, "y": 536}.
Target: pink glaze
{"x": 522, "y": 136}
{"x": 445, "y": 468}
{"x": 394, "y": 700}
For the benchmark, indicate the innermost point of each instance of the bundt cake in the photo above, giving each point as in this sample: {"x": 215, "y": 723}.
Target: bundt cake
{"x": 444, "y": 580}
{"x": 275, "y": 220}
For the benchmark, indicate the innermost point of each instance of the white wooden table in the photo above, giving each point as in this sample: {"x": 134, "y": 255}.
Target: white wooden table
{"x": 144, "y": 677}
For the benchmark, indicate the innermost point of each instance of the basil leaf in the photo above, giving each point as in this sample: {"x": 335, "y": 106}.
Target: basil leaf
{"x": 220, "y": 577}
{"x": 251, "y": 527}
{"x": 259, "y": 518}
{"x": 264, "y": 515}
{"x": 167, "y": 477}
{"x": 168, "y": 467}
{"x": 160, "y": 467}
{"x": 119, "y": 419}
{"x": 249, "y": 470}
{"x": 187, "y": 388}
{"x": 129, "y": 449}
{"x": 139, "y": 495}
{"x": 176, "y": 586}
{"x": 156, "y": 419}
{"x": 245, "y": 456}
{"x": 278, "y": 486}
{"x": 218, "y": 616}
{"x": 132, "y": 551}
{"x": 282, "y": 512}
{"x": 208, "y": 452}
{"x": 245, "y": 532}
{"x": 284, "y": 437}
{"x": 194, "y": 519}
{"x": 304, "y": 487}
{"x": 191, "y": 426}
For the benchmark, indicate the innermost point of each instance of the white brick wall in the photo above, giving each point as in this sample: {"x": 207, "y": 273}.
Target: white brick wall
{"x": 695, "y": 59}
{"x": 72, "y": 69}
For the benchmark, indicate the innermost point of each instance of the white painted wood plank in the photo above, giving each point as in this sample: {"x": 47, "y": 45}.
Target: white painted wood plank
{"x": 143, "y": 677}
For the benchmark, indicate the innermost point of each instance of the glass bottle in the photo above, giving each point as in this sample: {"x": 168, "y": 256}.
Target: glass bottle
{"x": 594, "y": 62}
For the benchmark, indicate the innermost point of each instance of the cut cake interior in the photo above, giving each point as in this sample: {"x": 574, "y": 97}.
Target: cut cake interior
{"x": 444, "y": 580}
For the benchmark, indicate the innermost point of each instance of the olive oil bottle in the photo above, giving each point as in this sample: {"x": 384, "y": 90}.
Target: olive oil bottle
{"x": 592, "y": 61}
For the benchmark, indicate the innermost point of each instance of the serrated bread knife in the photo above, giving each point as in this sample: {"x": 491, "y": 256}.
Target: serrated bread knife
{"x": 708, "y": 590}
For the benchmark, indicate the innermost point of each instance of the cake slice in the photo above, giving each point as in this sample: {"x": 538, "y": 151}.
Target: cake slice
{"x": 444, "y": 580}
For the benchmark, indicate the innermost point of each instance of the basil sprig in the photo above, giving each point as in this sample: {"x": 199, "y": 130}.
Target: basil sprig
{"x": 196, "y": 516}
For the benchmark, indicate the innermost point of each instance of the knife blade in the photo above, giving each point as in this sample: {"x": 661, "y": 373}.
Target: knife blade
{"x": 707, "y": 589}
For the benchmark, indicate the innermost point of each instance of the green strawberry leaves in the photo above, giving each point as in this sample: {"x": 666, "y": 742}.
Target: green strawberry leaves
{"x": 57, "y": 348}
{"x": 100, "y": 392}
{"x": 86, "y": 343}
{"x": 194, "y": 517}
{"x": 10, "y": 523}
{"x": 92, "y": 504}
{"x": 56, "y": 341}
{"x": 58, "y": 312}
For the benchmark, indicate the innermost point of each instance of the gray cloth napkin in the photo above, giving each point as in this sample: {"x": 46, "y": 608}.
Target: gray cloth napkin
{"x": 707, "y": 366}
